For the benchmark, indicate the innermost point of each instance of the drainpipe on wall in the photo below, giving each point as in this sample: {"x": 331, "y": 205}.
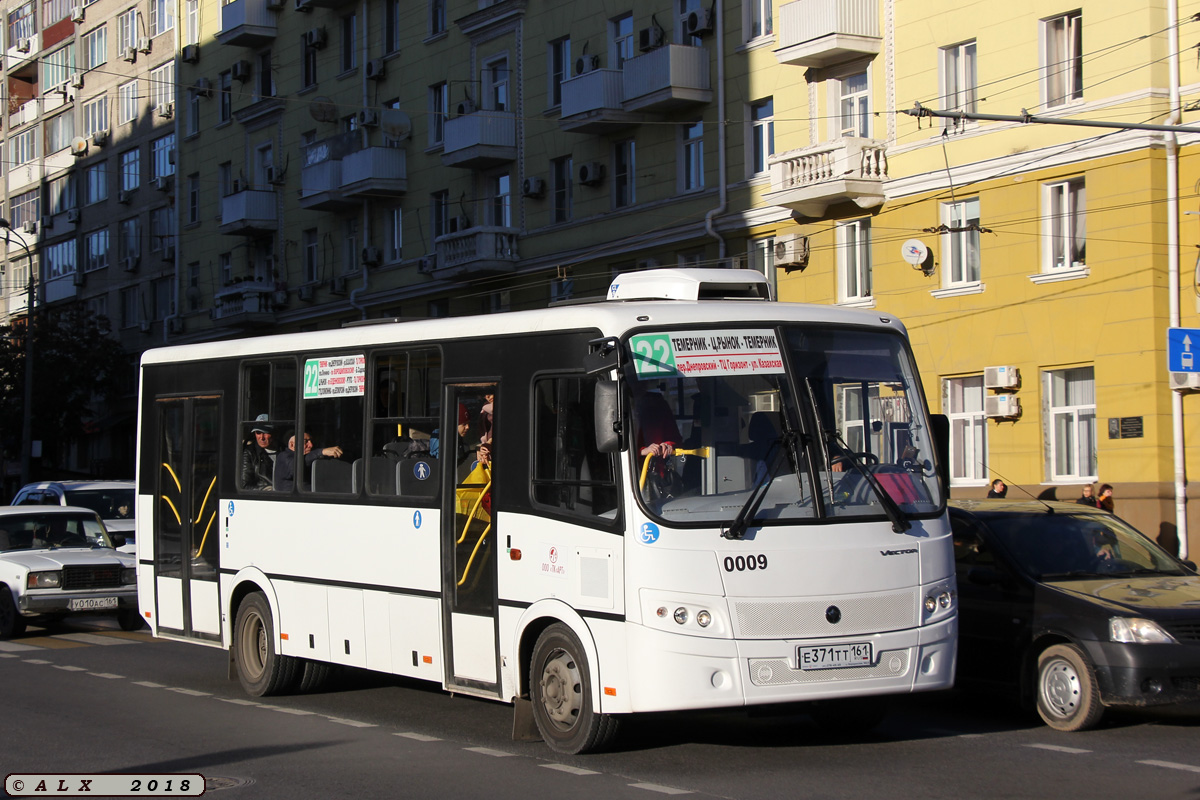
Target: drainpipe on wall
{"x": 1173, "y": 273}
{"x": 366, "y": 207}
{"x": 710, "y": 217}
{"x": 176, "y": 208}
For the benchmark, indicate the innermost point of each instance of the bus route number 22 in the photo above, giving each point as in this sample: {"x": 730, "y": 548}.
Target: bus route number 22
{"x": 743, "y": 563}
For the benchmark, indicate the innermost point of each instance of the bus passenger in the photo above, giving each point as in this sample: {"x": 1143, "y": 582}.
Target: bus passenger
{"x": 285, "y": 467}
{"x": 258, "y": 456}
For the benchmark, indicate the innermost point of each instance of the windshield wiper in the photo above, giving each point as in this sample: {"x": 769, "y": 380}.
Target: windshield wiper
{"x": 781, "y": 447}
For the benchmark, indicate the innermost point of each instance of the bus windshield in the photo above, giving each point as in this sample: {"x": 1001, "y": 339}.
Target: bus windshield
{"x": 816, "y": 422}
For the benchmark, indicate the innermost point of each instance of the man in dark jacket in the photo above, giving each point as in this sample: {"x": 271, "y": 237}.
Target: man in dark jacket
{"x": 258, "y": 456}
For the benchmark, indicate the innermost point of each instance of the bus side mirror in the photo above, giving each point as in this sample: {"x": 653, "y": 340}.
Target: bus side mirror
{"x": 607, "y": 416}
{"x": 940, "y": 423}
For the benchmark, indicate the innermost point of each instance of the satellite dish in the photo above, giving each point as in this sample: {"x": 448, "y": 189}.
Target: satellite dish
{"x": 395, "y": 124}
{"x": 79, "y": 145}
{"x": 914, "y": 252}
{"x": 323, "y": 109}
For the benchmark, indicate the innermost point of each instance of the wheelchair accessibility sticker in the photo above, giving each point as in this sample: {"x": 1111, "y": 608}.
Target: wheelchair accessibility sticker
{"x": 231, "y": 508}
{"x": 649, "y": 533}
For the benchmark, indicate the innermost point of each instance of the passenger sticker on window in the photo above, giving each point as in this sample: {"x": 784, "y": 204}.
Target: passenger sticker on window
{"x": 701, "y": 353}
{"x": 335, "y": 376}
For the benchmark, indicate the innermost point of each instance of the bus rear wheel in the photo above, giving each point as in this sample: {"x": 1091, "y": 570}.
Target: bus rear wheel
{"x": 261, "y": 670}
{"x": 560, "y": 682}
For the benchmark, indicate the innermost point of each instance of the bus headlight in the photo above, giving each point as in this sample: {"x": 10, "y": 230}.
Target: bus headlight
{"x": 43, "y": 580}
{"x": 681, "y": 615}
{"x": 703, "y": 618}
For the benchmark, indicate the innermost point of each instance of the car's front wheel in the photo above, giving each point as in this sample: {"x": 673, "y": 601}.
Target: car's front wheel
{"x": 1068, "y": 698}
{"x": 11, "y": 622}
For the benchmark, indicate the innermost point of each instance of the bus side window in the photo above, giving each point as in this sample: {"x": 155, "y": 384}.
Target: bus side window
{"x": 569, "y": 473}
{"x": 404, "y": 448}
{"x": 268, "y": 413}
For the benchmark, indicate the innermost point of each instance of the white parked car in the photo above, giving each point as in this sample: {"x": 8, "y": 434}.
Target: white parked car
{"x": 112, "y": 500}
{"x": 58, "y": 561}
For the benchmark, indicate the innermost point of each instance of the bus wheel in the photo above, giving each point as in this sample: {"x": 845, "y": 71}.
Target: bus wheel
{"x": 11, "y": 622}
{"x": 1067, "y": 696}
{"x": 560, "y": 682}
{"x": 130, "y": 619}
{"x": 261, "y": 670}
{"x": 315, "y": 675}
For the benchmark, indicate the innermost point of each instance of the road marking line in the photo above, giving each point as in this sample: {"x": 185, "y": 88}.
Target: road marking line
{"x": 108, "y": 675}
{"x": 299, "y": 712}
{"x": 1058, "y": 748}
{"x": 52, "y": 643}
{"x": 149, "y": 684}
{"x": 419, "y": 737}
{"x": 569, "y": 769}
{"x": 36, "y": 661}
{"x": 132, "y": 636}
{"x": 69, "y": 668}
{"x": 487, "y": 751}
{"x": 352, "y": 723}
{"x": 238, "y": 701}
{"x": 91, "y": 638}
{"x": 1171, "y": 765}
{"x": 14, "y": 647}
{"x": 9, "y": 655}
{"x": 188, "y": 692}
{"x": 654, "y": 787}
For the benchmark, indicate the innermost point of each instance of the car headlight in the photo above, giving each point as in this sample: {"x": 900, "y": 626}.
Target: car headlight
{"x": 1133, "y": 630}
{"x": 44, "y": 580}
{"x": 128, "y": 576}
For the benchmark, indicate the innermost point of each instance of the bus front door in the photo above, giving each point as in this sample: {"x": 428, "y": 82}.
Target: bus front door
{"x": 186, "y": 554}
{"x": 469, "y": 539}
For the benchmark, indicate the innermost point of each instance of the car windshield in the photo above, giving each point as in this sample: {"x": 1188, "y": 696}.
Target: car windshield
{"x": 108, "y": 503}
{"x": 51, "y": 531}
{"x": 735, "y": 421}
{"x": 1065, "y": 545}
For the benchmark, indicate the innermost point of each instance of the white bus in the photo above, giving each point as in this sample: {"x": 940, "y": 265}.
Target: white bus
{"x": 680, "y": 496}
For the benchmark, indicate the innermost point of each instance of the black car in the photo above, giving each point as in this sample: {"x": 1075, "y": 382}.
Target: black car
{"x": 1074, "y": 608}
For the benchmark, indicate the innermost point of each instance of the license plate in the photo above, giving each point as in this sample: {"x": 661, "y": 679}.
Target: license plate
{"x": 91, "y": 603}
{"x": 834, "y": 656}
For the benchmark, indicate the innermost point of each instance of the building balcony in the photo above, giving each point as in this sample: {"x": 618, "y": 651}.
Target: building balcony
{"x": 25, "y": 113}
{"x": 375, "y": 172}
{"x": 248, "y": 23}
{"x": 16, "y": 303}
{"x": 476, "y": 252}
{"x": 249, "y": 212}
{"x": 321, "y": 175}
{"x": 820, "y": 33}
{"x": 61, "y": 287}
{"x": 245, "y": 305}
{"x": 811, "y": 179}
{"x": 22, "y": 176}
{"x": 22, "y": 51}
{"x": 480, "y": 140}
{"x": 594, "y": 103}
{"x": 667, "y": 78}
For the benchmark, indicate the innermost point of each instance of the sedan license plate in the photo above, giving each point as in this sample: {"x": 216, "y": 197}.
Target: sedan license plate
{"x": 834, "y": 656}
{"x": 91, "y": 603}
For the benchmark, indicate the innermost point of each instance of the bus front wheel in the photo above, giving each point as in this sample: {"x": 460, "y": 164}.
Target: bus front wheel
{"x": 560, "y": 682}
{"x": 261, "y": 670}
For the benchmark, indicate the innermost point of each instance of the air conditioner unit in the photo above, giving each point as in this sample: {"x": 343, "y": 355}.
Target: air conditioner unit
{"x": 77, "y": 13}
{"x": 168, "y": 252}
{"x": 129, "y": 54}
{"x": 700, "y": 22}
{"x": 368, "y": 118}
{"x": 1001, "y": 377}
{"x": 73, "y": 215}
{"x": 338, "y": 285}
{"x": 190, "y": 53}
{"x": 465, "y": 107}
{"x": 305, "y": 292}
{"x": 591, "y": 173}
{"x": 162, "y": 183}
{"x": 144, "y": 45}
{"x": 77, "y": 80}
{"x": 275, "y": 175}
{"x": 47, "y": 222}
{"x": 80, "y": 277}
{"x": 23, "y": 45}
{"x": 99, "y": 138}
{"x": 235, "y": 187}
{"x": 791, "y": 251}
{"x": 129, "y": 263}
{"x": 585, "y": 64}
{"x": 145, "y": 325}
{"x": 165, "y": 110}
{"x": 371, "y": 256}
{"x": 240, "y": 71}
{"x": 1002, "y": 406}
{"x": 175, "y": 325}
{"x": 304, "y": 5}
{"x": 29, "y": 227}
{"x": 426, "y": 264}
{"x": 533, "y": 187}
{"x": 124, "y": 196}
{"x": 376, "y": 69}
{"x": 203, "y": 87}
{"x": 1185, "y": 381}
{"x": 315, "y": 38}
{"x": 650, "y": 38}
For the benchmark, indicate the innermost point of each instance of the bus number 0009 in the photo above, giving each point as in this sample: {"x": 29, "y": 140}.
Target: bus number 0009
{"x": 743, "y": 563}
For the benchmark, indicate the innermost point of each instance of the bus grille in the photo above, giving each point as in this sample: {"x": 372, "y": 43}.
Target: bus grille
{"x": 106, "y": 576}
{"x": 778, "y": 672}
{"x": 801, "y": 619}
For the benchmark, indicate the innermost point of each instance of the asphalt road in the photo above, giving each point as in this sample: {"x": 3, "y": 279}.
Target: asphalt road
{"x": 90, "y": 698}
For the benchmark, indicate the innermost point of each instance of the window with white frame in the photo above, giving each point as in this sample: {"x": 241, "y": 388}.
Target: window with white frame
{"x": 960, "y": 242}
{"x": 60, "y": 193}
{"x": 391, "y": 26}
{"x": 191, "y": 23}
{"x": 439, "y": 112}
{"x": 854, "y": 104}
{"x": 495, "y": 84}
{"x": 127, "y": 101}
{"x": 308, "y": 62}
{"x": 131, "y": 312}
{"x": 130, "y": 172}
{"x": 395, "y": 233}
{"x": 194, "y": 298}
{"x": 98, "y": 307}
{"x": 192, "y": 123}
{"x": 60, "y": 130}
{"x": 96, "y": 183}
{"x": 129, "y": 239}
{"x": 162, "y": 85}
{"x": 558, "y": 57}
{"x": 59, "y": 66}
{"x": 759, "y": 18}
{"x": 762, "y": 134}
{"x": 500, "y": 201}
{"x": 309, "y": 242}
{"x": 562, "y": 179}
{"x": 22, "y": 22}
{"x": 1063, "y": 229}
{"x": 962, "y": 399}
{"x": 691, "y": 157}
{"x": 1070, "y": 407}
{"x": 95, "y": 248}
{"x": 620, "y": 31}
{"x": 224, "y": 97}
{"x": 95, "y": 115}
{"x": 26, "y": 208}
{"x": 225, "y": 267}
{"x": 264, "y": 77}
{"x": 349, "y": 57}
{"x": 350, "y": 254}
{"x": 624, "y": 166}
{"x": 162, "y": 230}
{"x": 760, "y": 257}
{"x": 127, "y": 30}
{"x": 960, "y": 87}
{"x": 439, "y": 216}
{"x": 193, "y": 198}
{"x": 59, "y": 258}
{"x": 437, "y": 16}
{"x": 54, "y": 11}
{"x": 162, "y": 152}
{"x": 686, "y": 8}
{"x": 854, "y": 260}
{"x": 1062, "y": 53}
{"x": 23, "y": 147}
{"x": 162, "y": 16}
{"x": 95, "y": 48}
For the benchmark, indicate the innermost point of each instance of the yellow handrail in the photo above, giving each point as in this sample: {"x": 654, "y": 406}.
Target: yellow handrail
{"x": 703, "y": 452}
{"x": 174, "y": 510}
{"x": 207, "y": 494}
{"x": 207, "y": 528}
{"x": 174, "y": 477}
{"x": 474, "y": 550}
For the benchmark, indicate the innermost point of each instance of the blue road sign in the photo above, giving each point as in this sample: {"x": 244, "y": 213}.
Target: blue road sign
{"x": 1183, "y": 349}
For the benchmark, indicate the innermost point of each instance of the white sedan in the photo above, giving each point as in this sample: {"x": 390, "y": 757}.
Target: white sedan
{"x": 57, "y": 561}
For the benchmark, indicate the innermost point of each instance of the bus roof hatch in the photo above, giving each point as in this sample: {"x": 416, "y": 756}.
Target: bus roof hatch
{"x": 690, "y": 284}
